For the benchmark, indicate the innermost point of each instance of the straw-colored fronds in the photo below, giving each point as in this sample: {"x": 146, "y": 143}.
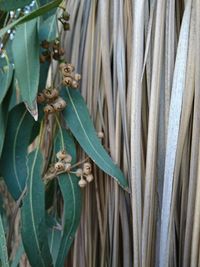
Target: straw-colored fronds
{"x": 140, "y": 65}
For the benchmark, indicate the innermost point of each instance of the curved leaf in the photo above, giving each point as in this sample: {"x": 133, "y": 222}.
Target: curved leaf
{"x": 48, "y": 29}
{"x": 26, "y": 60}
{"x": 54, "y": 242}
{"x": 34, "y": 230}
{"x": 3, "y": 247}
{"x": 72, "y": 212}
{"x": 36, "y": 13}
{"x": 4, "y": 106}
{"x": 12, "y": 5}
{"x": 13, "y": 162}
{"x": 78, "y": 120}
{"x": 5, "y": 77}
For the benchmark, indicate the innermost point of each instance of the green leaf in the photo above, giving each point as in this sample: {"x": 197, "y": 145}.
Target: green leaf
{"x": 3, "y": 247}
{"x": 13, "y": 162}
{"x": 71, "y": 193}
{"x": 4, "y": 106}
{"x": 34, "y": 230}
{"x": 54, "y": 242}
{"x": 5, "y": 77}
{"x": 48, "y": 29}
{"x": 78, "y": 120}
{"x": 26, "y": 60}
{"x": 8, "y": 5}
{"x": 36, "y": 13}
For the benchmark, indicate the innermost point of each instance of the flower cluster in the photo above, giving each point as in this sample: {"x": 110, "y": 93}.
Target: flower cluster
{"x": 85, "y": 172}
{"x": 54, "y": 103}
{"x": 51, "y": 50}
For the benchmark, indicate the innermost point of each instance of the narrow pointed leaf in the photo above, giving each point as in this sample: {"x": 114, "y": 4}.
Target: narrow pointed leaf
{"x": 72, "y": 212}
{"x": 71, "y": 195}
{"x": 33, "y": 215}
{"x": 6, "y": 74}
{"x": 48, "y": 29}
{"x": 78, "y": 120}
{"x": 13, "y": 162}
{"x": 4, "y": 106}
{"x": 18, "y": 255}
{"x": 54, "y": 242}
{"x": 36, "y": 13}
{"x": 3, "y": 247}
{"x": 26, "y": 60}
{"x": 12, "y": 5}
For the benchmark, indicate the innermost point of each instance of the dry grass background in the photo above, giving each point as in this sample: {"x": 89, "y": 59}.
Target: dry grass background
{"x": 140, "y": 69}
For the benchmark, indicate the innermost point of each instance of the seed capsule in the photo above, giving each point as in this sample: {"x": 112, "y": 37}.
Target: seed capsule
{"x": 51, "y": 94}
{"x": 61, "y": 155}
{"x": 59, "y": 104}
{"x": 87, "y": 168}
{"x": 77, "y": 77}
{"x": 67, "y": 81}
{"x": 45, "y": 44}
{"x": 59, "y": 166}
{"x": 62, "y": 66}
{"x": 48, "y": 109}
{"x": 66, "y": 15}
{"x": 41, "y": 98}
{"x": 82, "y": 183}
{"x": 68, "y": 167}
{"x": 74, "y": 84}
{"x": 89, "y": 178}
{"x": 67, "y": 159}
{"x": 79, "y": 172}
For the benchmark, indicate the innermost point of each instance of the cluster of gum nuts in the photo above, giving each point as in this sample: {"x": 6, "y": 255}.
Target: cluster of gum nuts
{"x": 85, "y": 172}
{"x": 64, "y": 161}
{"x": 69, "y": 78}
{"x": 64, "y": 165}
{"x": 54, "y": 103}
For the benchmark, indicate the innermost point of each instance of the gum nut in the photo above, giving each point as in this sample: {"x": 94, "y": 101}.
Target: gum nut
{"x": 77, "y": 77}
{"x": 82, "y": 183}
{"x": 48, "y": 93}
{"x": 62, "y": 65}
{"x": 68, "y": 158}
{"x": 41, "y": 98}
{"x": 70, "y": 67}
{"x": 42, "y": 59}
{"x": 67, "y": 81}
{"x": 75, "y": 84}
{"x": 100, "y": 135}
{"x": 87, "y": 168}
{"x": 61, "y": 155}
{"x": 49, "y": 109}
{"x": 68, "y": 167}
{"x": 79, "y": 172}
{"x": 59, "y": 166}
{"x": 45, "y": 44}
{"x": 89, "y": 178}
{"x": 66, "y": 15}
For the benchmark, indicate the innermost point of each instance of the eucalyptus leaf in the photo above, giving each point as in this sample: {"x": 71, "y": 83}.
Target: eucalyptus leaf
{"x": 13, "y": 162}
{"x": 26, "y": 60}
{"x": 78, "y": 120}
{"x": 6, "y": 74}
{"x": 36, "y": 13}
{"x": 71, "y": 193}
{"x": 3, "y": 247}
{"x": 8, "y": 5}
{"x": 48, "y": 29}
{"x": 54, "y": 238}
{"x": 33, "y": 215}
{"x": 4, "y": 107}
